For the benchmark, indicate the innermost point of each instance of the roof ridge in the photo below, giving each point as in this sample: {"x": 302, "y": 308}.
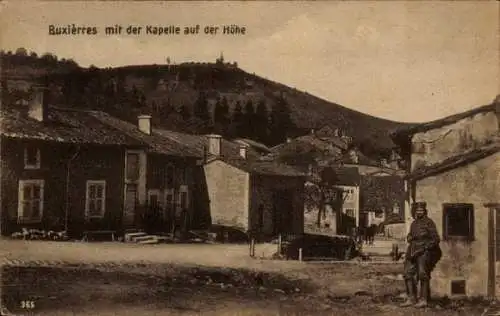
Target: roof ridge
{"x": 457, "y": 160}
{"x": 447, "y": 120}
{"x": 59, "y": 108}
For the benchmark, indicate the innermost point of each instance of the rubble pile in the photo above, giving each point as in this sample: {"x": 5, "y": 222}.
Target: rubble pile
{"x": 36, "y": 234}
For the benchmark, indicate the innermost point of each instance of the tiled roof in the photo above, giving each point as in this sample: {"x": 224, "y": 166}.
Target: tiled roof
{"x": 347, "y": 176}
{"x": 403, "y": 133}
{"x": 197, "y": 144}
{"x": 156, "y": 142}
{"x": 230, "y": 154}
{"x": 308, "y": 143}
{"x": 456, "y": 161}
{"x": 253, "y": 143}
{"x": 362, "y": 160}
{"x": 64, "y": 126}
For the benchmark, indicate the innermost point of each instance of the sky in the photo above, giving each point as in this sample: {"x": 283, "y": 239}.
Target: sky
{"x": 403, "y": 61}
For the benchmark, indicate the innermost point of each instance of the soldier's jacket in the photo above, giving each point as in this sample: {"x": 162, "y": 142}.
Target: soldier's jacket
{"x": 423, "y": 236}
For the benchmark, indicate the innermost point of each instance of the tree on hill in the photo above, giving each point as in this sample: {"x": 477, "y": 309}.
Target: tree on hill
{"x": 21, "y": 51}
{"x": 221, "y": 117}
{"x": 261, "y": 122}
{"x": 201, "y": 108}
{"x": 280, "y": 121}
{"x": 49, "y": 58}
{"x": 249, "y": 128}
{"x": 225, "y": 118}
{"x": 237, "y": 121}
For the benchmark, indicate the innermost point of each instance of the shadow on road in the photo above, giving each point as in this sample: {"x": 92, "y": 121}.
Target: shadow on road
{"x": 46, "y": 289}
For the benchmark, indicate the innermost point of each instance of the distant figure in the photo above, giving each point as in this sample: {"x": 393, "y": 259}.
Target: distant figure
{"x": 370, "y": 234}
{"x": 422, "y": 255}
{"x": 381, "y": 229}
{"x": 361, "y": 231}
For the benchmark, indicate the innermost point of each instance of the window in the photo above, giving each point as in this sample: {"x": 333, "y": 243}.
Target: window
{"x": 419, "y": 148}
{"x": 458, "y": 287}
{"x": 157, "y": 177}
{"x": 348, "y": 195}
{"x": 458, "y": 222}
{"x": 30, "y": 208}
{"x": 154, "y": 200}
{"x": 132, "y": 166}
{"x": 96, "y": 199}
{"x": 396, "y": 208}
{"x": 170, "y": 177}
{"x": 31, "y": 157}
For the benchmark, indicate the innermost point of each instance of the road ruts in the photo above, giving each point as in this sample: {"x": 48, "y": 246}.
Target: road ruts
{"x": 5, "y": 262}
{"x": 492, "y": 311}
{"x": 31, "y": 263}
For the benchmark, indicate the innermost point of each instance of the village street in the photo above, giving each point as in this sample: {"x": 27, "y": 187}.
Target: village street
{"x": 125, "y": 279}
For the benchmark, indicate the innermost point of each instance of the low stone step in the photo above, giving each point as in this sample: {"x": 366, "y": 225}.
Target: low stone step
{"x": 149, "y": 241}
{"x": 131, "y": 237}
{"x": 143, "y": 238}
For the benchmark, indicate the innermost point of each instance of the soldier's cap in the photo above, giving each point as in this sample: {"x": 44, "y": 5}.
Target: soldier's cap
{"x": 419, "y": 206}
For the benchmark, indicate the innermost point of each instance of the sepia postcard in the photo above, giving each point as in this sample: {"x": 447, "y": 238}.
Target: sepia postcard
{"x": 249, "y": 158}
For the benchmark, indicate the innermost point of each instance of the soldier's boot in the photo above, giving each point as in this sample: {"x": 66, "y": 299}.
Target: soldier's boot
{"x": 411, "y": 293}
{"x": 425, "y": 292}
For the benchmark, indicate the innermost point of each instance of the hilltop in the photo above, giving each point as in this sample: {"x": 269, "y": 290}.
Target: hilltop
{"x": 171, "y": 92}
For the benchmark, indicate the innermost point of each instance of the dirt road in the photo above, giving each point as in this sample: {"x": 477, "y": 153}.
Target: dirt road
{"x": 121, "y": 279}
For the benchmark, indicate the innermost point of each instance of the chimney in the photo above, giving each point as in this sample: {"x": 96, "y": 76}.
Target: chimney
{"x": 38, "y": 105}
{"x": 214, "y": 142}
{"x": 394, "y": 155}
{"x": 144, "y": 123}
{"x": 243, "y": 151}
{"x": 346, "y": 139}
{"x": 384, "y": 163}
{"x": 354, "y": 156}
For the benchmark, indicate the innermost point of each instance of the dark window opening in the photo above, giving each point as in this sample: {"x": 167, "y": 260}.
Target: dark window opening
{"x": 32, "y": 157}
{"x": 458, "y": 222}
{"x": 183, "y": 200}
{"x": 133, "y": 167}
{"x": 153, "y": 201}
{"x": 170, "y": 177}
{"x": 458, "y": 287}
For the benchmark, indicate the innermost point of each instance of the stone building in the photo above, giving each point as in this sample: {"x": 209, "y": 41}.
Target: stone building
{"x": 244, "y": 191}
{"x": 454, "y": 165}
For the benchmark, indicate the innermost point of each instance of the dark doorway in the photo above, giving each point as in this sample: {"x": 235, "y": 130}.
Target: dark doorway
{"x": 282, "y": 211}
{"x": 130, "y": 205}
{"x": 155, "y": 223}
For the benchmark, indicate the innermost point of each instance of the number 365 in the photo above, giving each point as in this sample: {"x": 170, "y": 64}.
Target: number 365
{"x": 28, "y": 304}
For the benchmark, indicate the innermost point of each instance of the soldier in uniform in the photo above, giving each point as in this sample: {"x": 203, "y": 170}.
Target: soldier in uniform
{"x": 422, "y": 255}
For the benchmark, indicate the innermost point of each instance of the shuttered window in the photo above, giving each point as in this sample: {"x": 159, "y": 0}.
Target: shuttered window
{"x": 458, "y": 221}
{"x": 31, "y": 200}
{"x": 96, "y": 198}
